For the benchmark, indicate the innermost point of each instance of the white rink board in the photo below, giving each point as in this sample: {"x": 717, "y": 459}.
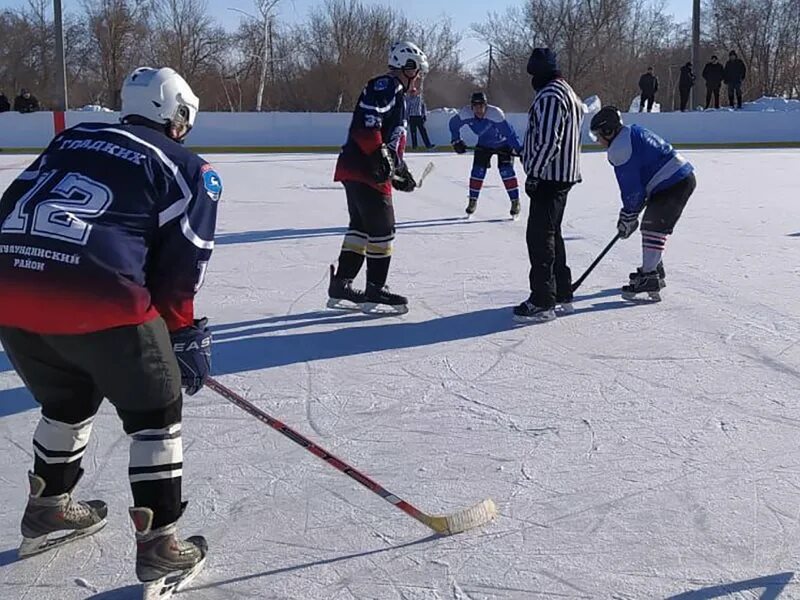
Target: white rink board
{"x": 635, "y": 452}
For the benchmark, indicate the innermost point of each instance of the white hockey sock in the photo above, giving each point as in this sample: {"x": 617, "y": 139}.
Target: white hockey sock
{"x": 653, "y": 245}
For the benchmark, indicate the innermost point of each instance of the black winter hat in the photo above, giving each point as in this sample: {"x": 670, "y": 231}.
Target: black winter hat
{"x": 542, "y": 60}
{"x": 478, "y": 98}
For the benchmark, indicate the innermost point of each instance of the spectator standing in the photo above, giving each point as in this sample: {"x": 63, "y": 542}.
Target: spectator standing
{"x": 26, "y": 102}
{"x": 417, "y": 116}
{"x": 735, "y": 72}
{"x": 713, "y": 73}
{"x": 5, "y": 105}
{"x": 648, "y": 84}
{"x": 551, "y": 154}
{"x": 685, "y": 84}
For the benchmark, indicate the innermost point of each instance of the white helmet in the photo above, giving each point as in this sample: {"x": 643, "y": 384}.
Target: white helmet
{"x": 159, "y": 95}
{"x": 406, "y": 55}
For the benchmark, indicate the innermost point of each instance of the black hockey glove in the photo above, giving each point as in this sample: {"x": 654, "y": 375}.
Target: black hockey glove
{"x": 403, "y": 180}
{"x": 531, "y": 183}
{"x": 627, "y": 224}
{"x": 192, "y": 347}
{"x": 382, "y": 163}
{"x": 459, "y": 146}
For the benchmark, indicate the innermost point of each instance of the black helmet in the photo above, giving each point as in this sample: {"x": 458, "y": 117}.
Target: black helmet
{"x": 607, "y": 121}
{"x": 478, "y": 98}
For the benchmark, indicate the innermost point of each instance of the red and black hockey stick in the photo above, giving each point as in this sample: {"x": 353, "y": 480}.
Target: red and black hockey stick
{"x": 462, "y": 520}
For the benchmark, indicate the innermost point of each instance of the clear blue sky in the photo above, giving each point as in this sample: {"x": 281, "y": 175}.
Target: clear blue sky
{"x": 462, "y": 12}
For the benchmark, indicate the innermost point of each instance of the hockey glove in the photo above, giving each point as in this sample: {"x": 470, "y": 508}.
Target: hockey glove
{"x": 459, "y": 146}
{"x": 627, "y": 224}
{"x": 403, "y": 180}
{"x": 382, "y": 163}
{"x": 531, "y": 183}
{"x": 192, "y": 347}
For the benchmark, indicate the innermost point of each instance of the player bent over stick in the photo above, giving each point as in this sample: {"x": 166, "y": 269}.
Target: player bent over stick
{"x": 495, "y": 136}
{"x": 649, "y": 171}
{"x": 369, "y": 166}
{"x": 113, "y": 227}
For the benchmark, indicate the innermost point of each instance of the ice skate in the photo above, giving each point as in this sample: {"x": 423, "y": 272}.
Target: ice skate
{"x": 659, "y": 269}
{"x": 472, "y": 205}
{"x": 643, "y": 283}
{"x": 342, "y": 295}
{"x": 380, "y": 301}
{"x": 515, "y": 208}
{"x": 52, "y": 521}
{"x": 528, "y": 312}
{"x": 564, "y": 308}
{"x": 164, "y": 564}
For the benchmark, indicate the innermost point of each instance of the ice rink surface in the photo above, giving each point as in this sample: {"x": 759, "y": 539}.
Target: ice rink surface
{"x": 634, "y": 451}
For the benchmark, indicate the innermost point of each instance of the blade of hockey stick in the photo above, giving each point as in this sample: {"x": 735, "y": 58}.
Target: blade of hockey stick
{"x": 425, "y": 173}
{"x": 457, "y": 522}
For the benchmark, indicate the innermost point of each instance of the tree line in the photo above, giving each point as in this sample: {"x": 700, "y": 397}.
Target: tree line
{"x": 322, "y": 63}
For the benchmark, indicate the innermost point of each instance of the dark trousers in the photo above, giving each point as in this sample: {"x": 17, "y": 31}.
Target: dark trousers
{"x": 370, "y": 233}
{"x": 69, "y": 375}
{"x": 664, "y": 208}
{"x": 684, "y": 91}
{"x": 418, "y": 123}
{"x": 550, "y": 277}
{"x": 712, "y": 91}
{"x": 735, "y": 89}
{"x": 646, "y": 99}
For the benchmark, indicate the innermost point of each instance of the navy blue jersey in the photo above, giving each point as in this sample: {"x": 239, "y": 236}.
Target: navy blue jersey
{"x": 112, "y": 225}
{"x": 378, "y": 118}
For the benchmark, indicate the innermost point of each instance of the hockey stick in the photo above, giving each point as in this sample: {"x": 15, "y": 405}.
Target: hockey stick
{"x": 462, "y": 520}
{"x": 425, "y": 173}
{"x": 578, "y": 283}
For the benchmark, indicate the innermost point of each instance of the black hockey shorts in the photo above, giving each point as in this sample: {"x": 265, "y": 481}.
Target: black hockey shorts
{"x": 69, "y": 375}
{"x": 482, "y": 156}
{"x": 664, "y": 208}
{"x": 371, "y": 212}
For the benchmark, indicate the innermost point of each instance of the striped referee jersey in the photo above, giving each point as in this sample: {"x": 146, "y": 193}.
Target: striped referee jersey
{"x": 552, "y": 148}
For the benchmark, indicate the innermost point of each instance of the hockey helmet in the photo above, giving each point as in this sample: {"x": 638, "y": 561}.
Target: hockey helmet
{"x": 159, "y": 95}
{"x": 606, "y": 122}
{"x": 407, "y": 55}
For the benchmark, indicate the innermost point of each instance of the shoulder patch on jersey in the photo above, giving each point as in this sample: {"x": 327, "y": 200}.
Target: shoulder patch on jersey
{"x": 380, "y": 84}
{"x": 621, "y": 149}
{"x": 212, "y": 182}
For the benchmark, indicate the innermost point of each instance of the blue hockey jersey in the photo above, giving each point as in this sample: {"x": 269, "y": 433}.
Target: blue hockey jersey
{"x": 378, "y": 118}
{"x": 493, "y": 130}
{"x": 112, "y": 225}
{"x": 644, "y": 164}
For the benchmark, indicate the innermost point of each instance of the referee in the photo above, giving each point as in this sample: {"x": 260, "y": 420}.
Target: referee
{"x": 551, "y": 157}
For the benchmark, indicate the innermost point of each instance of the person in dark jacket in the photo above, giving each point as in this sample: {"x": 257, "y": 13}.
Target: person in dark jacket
{"x": 5, "y": 105}
{"x": 26, "y": 102}
{"x": 685, "y": 84}
{"x": 648, "y": 84}
{"x": 735, "y": 72}
{"x": 713, "y": 73}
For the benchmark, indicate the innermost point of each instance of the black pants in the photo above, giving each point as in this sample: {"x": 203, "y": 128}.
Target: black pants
{"x": 664, "y": 208}
{"x": 712, "y": 91}
{"x": 418, "y": 123}
{"x": 684, "y": 97}
{"x": 735, "y": 89}
{"x": 370, "y": 234}
{"x": 135, "y": 368}
{"x": 646, "y": 99}
{"x": 550, "y": 277}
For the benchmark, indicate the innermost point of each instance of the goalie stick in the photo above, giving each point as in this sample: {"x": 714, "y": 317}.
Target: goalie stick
{"x": 457, "y": 522}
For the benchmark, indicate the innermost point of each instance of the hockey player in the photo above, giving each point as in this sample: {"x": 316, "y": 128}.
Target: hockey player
{"x": 371, "y": 164}
{"x": 104, "y": 242}
{"x": 649, "y": 172}
{"x": 495, "y": 136}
